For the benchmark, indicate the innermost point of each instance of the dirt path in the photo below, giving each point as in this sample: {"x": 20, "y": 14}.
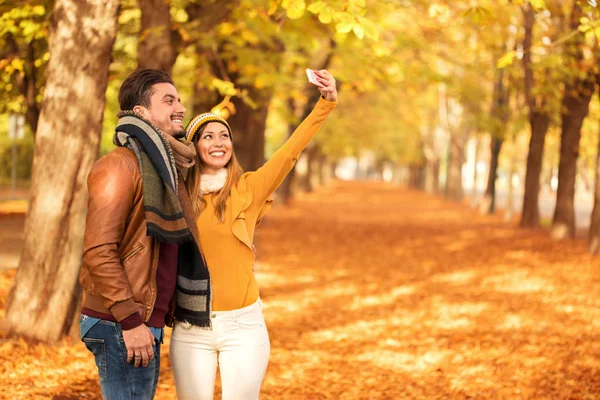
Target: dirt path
{"x": 376, "y": 292}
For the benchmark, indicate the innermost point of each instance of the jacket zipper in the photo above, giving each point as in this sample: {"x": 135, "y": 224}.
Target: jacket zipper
{"x": 132, "y": 253}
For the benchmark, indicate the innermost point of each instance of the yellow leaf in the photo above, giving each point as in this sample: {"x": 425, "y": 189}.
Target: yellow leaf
{"x": 359, "y": 31}
{"x": 272, "y": 7}
{"x": 180, "y": 16}
{"x": 506, "y": 59}
{"x": 38, "y": 10}
{"x": 250, "y": 37}
{"x": 317, "y": 7}
{"x": 344, "y": 27}
{"x": 326, "y": 16}
{"x": 538, "y": 4}
{"x": 226, "y": 28}
{"x": 17, "y": 64}
{"x": 296, "y": 9}
{"x": 369, "y": 28}
{"x": 225, "y": 88}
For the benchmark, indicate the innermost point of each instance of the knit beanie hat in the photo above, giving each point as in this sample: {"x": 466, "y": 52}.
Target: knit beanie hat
{"x": 196, "y": 124}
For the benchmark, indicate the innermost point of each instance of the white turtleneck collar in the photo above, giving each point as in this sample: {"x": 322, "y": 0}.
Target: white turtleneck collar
{"x": 213, "y": 183}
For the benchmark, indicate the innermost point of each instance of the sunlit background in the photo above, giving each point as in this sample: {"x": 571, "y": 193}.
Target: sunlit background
{"x": 396, "y": 265}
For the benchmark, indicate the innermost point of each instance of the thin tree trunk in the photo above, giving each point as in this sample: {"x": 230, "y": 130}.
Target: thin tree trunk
{"x": 474, "y": 194}
{"x": 203, "y": 100}
{"x": 575, "y": 105}
{"x": 155, "y": 48}
{"x": 540, "y": 122}
{"x": 414, "y": 177}
{"x": 457, "y": 159}
{"x": 285, "y": 189}
{"x": 317, "y": 168}
{"x": 510, "y": 209}
{"x": 203, "y": 17}
{"x": 31, "y": 91}
{"x": 490, "y": 191}
{"x": 499, "y": 111}
{"x": 432, "y": 175}
{"x": 594, "y": 235}
{"x": 322, "y": 169}
{"x": 27, "y": 82}
{"x": 248, "y": 127}
{"x": 43, "y": 302}
{"x": 304, "y": 181}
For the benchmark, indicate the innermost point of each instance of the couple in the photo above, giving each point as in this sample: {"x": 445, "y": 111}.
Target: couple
{"x": 160, "y": 250}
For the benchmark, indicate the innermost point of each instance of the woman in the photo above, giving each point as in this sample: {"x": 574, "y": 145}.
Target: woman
{"x": 218, "y": 315}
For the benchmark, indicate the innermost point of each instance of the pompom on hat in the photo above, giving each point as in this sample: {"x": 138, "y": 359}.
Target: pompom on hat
{"x": 195, "y": 126}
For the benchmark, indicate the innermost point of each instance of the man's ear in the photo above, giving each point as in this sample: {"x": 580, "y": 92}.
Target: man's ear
{"x": 141, "y": 110}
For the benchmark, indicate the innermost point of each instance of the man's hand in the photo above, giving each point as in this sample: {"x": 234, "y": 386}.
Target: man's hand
{"x": 139, "y": 342}
{"x": 328, "y": 91}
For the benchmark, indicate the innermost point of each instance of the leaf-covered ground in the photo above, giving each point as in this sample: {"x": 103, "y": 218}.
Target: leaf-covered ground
{"x": 373, "y": 291}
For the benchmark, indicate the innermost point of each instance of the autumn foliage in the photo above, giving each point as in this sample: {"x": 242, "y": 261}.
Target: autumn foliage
{"x": 373, "y": 291}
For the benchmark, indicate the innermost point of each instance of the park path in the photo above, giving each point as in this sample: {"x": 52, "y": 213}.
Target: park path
{"x": 373, "y": 291}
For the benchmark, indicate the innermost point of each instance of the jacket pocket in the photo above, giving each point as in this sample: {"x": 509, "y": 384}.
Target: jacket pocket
{"x": 132, "y": 253}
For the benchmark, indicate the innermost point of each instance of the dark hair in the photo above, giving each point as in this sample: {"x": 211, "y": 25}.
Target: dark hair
{"x": 138, "y": 87}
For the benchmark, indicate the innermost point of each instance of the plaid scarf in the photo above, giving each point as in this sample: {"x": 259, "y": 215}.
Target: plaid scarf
{"x": 169, "y": 213}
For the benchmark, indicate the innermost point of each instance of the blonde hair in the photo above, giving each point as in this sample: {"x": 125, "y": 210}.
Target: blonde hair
{"x": 219, "y": 199}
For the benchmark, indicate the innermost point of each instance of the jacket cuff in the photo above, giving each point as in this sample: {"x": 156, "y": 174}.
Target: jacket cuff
{"x": 133, "y": 321}
{"x": 124, "y": 309}
{"x": 328, "y": 103}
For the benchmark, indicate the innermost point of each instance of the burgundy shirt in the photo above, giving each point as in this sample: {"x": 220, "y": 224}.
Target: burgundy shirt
{"x": 166, "y": 278}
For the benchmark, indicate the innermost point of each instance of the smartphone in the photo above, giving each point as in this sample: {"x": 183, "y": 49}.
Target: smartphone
{"x": 312, "y": 77}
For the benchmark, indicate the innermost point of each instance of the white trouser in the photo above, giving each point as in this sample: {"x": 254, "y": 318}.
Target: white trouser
{"x": 238, "y": 340}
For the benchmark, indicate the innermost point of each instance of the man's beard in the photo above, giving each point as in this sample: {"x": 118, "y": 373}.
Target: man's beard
{"x": 179, "y": 134}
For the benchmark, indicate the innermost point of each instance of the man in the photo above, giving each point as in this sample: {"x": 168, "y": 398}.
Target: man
{"x": 137, "y": 214}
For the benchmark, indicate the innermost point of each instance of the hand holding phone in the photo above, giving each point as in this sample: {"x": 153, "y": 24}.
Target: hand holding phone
{"x": 312, "y": 77}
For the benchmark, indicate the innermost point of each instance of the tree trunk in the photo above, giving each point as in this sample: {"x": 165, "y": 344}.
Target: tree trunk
{"x": 203, "y": 100}
{"x": 575, "y": 108}
{"x": 490, "y": 191}
{"x": 594, "y": 245}
{"x": 32, "y": 114}
{"x": 285, "y": 189}
{"x": 432, "y": 175}
{"x": 43, "y": 302}
{"x": 155, "y": 47}
{"x": 474, "y": 194}
{"x": 324, "y": 177}
{"x": 27, "y": 81}
{"x": 539, "y": 122}
{"x": 414, "y": 176}
{"x": 458, "y": 141}
{"x": 530, "y": 216}
{"x": 500, "y": 112}
{"x": 510, "y": 208}
{"x": 248, "y": 127}
{"x": 305, "y": 181}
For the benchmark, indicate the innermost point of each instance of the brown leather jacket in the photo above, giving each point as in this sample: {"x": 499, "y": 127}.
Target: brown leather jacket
{"x": 118, "y": 273}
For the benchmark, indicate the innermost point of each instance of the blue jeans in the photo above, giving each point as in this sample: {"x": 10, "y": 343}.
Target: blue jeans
{"x": 119, "y": 379}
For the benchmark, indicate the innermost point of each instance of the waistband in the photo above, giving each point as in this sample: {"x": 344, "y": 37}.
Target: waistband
{"x": 225, "y": 315}
{"x": 257, "y": 305}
